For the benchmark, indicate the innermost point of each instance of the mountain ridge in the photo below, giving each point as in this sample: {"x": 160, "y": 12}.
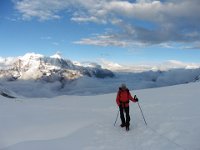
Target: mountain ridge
{"x": 35, "y": 75}
{"x": 36, "y": 66}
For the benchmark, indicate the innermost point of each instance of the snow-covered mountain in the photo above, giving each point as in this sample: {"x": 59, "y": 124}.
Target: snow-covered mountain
{"x": 142, "y": 67}
{"x": 35, "y": 75}
{"x": 54, "y": 68}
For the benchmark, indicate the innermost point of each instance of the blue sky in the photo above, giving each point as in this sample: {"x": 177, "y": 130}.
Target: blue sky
{"x": 121, "y": 31}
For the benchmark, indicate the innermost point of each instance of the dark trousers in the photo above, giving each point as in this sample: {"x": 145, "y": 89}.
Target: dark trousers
{"x": 127, "y": 119}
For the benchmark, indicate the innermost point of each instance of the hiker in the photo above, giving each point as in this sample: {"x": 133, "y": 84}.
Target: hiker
{"x": 123, "y": 97}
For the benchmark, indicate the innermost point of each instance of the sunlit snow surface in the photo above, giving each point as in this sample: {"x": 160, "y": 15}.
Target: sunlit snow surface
{"x": 86, "y": 122}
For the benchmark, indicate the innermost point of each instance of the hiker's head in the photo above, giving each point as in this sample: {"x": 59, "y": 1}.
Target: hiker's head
{"x": 123, "y": 86}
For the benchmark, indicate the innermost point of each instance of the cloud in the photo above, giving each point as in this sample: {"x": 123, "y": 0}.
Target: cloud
{"x": 144, "y": 22}
{"x": 42, "y": 9}
{"x": 46, "y": 38}
{"x": 163, "y": 66}
{"x": 103, "y": 40}
{"x": 55, "y": 43}
{"x": 167, "y": 45}
{"x": 156, "y": 22}
{"x": 194, "y": 45}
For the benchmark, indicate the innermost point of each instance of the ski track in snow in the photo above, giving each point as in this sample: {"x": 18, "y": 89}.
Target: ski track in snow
{"x": 87, "y": 122}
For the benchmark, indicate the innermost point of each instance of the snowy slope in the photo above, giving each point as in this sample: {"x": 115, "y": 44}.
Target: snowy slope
{"x": 86, "y": 122}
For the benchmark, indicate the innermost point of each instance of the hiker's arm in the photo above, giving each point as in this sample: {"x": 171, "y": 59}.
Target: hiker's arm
{"x": 132, "y": 99}
{"x": 117, "y": 99}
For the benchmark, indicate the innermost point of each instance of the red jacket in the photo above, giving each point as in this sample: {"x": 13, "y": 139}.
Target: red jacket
{"x": 123, "y": 97}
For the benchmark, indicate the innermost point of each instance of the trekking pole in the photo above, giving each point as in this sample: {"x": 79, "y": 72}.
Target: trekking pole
{"x": 142, "y": 113}
{"x": 116, "y": 118}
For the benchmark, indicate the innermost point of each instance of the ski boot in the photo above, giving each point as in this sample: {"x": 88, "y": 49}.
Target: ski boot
{"x": 123, "y": 125}
{"x": 127, "y": 126}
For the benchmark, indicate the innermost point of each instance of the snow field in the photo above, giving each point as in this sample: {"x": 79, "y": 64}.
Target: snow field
{"x": 87, "y": 122}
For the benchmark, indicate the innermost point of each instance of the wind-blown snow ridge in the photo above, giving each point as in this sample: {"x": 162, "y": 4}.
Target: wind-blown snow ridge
{"x": 6, "y": 93}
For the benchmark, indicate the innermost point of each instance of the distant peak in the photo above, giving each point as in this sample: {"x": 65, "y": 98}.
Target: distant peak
{"x": 29, "y": 55}
{"x": 57, "y": 55}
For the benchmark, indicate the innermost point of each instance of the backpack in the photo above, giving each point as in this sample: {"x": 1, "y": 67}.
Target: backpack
{"x": 128, "y": 93}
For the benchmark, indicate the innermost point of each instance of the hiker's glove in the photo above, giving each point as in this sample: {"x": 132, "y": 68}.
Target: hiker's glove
{"x": 135, "y": 98}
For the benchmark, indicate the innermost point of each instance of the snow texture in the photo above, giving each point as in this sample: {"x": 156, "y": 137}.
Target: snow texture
{"x": 86, "y": 122}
